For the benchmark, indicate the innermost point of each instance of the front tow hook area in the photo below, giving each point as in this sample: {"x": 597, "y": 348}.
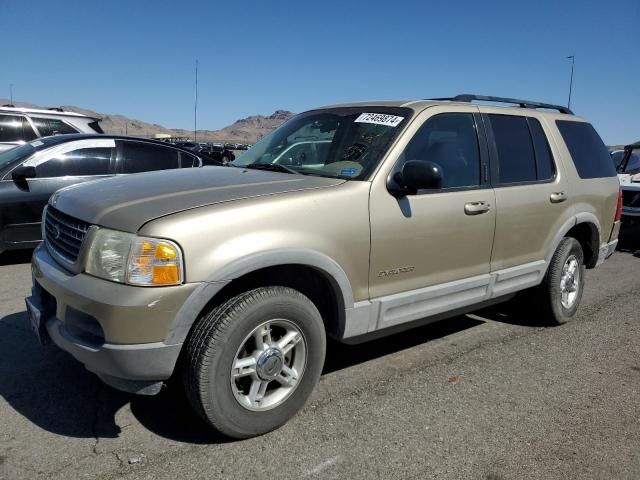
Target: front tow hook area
{"x": 37, "y": 320}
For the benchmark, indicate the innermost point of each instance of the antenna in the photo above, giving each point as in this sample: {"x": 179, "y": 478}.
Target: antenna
{"x": 11, "y": 93}
{"x": 195, "y": 109}
{"x": 573, "y": 60}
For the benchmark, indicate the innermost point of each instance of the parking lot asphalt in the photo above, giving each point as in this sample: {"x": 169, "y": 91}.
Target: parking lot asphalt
{"x": 493, "y": 395}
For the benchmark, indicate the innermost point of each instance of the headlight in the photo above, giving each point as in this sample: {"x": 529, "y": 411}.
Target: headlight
{"x": 126, "y": 258}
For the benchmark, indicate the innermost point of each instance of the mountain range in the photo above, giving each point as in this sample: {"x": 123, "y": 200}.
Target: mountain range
{"x": 244, "y": 130}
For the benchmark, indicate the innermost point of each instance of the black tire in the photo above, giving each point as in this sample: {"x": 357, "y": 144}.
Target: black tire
{"x": 212, "y": 346}
{"x": 548, "y": 296}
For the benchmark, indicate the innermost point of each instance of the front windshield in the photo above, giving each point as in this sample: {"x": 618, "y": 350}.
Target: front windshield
{"x": 15, "y": 154}
{"x": 339, "y": 142}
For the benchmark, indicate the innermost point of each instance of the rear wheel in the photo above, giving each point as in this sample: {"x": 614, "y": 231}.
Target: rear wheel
{"x": 252, "y": 362}
{"x": 560, "y": 293}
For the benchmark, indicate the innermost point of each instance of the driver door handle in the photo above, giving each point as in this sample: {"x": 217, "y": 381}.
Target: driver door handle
{"x": 557, "y": 197}
{"x": 476, "y": 208}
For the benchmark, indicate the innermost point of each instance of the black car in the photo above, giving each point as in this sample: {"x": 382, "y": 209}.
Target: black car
{"x": 31, "y": 173}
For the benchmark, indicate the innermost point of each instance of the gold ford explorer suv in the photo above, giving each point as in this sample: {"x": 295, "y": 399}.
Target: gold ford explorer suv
{"x": 389, "y": 215}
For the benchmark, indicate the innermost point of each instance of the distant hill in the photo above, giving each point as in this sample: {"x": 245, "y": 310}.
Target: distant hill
{"x": 245, "y": 130}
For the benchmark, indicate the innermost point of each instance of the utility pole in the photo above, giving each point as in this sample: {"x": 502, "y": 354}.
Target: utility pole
{"x": 573, "y": 60}
{"x": 195, "y": 109}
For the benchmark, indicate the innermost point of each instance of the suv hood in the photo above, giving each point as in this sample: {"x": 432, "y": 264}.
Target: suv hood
{"x": 128, "y": 202}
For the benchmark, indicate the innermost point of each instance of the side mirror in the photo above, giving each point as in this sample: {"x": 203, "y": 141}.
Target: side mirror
{"x": 23, "y": 172}
{"x": 415, "y": 175}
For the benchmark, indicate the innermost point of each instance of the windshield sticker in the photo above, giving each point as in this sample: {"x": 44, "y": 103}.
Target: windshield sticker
{"x": 349, "y": 172}
{"x": 36, "y": 143}
{"x": 379, "y": 119}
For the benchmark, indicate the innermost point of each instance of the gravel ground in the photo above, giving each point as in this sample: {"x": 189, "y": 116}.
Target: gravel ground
{"x": 493, "y": 395}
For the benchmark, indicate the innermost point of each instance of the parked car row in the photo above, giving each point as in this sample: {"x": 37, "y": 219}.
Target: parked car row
{"x": 211, "y": 153}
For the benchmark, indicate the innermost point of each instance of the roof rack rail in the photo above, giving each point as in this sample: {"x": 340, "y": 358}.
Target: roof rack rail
{"x": 10, "y": 105}
{"x": 56, "y": 109}
{"x": 516, "y": 101}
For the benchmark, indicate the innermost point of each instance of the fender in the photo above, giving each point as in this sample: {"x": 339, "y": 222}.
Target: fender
{"x": 582, "y": 217}
{"x": 189, "y": 312}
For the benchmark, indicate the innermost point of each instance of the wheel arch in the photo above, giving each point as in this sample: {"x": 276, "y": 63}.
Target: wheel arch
{"x": 314, "y": 274}
{"x": 585, "y": 228}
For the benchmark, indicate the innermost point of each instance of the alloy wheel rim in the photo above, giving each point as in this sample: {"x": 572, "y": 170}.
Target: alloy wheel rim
{"x": 570, "y": 282}
{"x": 268, "y": 365}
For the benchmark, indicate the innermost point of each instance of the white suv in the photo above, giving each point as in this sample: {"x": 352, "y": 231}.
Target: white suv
{"x": 20, "y": 125}
{"x": 627, "y": 163}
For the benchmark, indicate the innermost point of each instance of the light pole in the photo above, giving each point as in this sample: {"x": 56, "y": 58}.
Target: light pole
{"x": 195, "y": 110}
{"x": 573, "y": 60}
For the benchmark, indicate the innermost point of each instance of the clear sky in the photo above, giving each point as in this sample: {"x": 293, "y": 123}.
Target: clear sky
{"x": 137, "y": 57}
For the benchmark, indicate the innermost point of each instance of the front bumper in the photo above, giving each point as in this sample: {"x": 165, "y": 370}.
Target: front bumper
{"x": 117, "y": 331}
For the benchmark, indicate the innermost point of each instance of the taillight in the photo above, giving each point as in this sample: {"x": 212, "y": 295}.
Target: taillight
{"x": 619, "y": 209}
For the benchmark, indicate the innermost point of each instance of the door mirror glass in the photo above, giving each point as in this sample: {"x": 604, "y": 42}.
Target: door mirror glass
{"x": 417, "y": 175}
{"x": 23, "y": 171}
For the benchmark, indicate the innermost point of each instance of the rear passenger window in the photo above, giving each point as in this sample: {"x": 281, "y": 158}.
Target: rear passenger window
{"x": 516, "y": 159}
{"x": 590, "y": 156}
{"x": 51, "y": 126}
{"x": 14, "y": 128}
{"x": 142, "y": 157}
{"x": 544, "y": 160}
{"x": 450, "y": 140}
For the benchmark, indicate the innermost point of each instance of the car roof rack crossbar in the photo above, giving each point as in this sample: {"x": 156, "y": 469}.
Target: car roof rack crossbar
{"x": 56, "y": 109}
{"x": 522, "y": 103}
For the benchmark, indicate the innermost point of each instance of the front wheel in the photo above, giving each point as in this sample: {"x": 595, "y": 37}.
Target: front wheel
{"x": 252, "y": 362}
{"x": 560, "y": 293}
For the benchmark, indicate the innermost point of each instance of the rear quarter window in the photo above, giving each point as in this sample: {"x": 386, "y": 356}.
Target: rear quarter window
{"x": 588, "y": 152}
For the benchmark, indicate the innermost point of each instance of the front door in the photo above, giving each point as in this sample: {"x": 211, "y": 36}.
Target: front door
{"x": 431, "y": 251}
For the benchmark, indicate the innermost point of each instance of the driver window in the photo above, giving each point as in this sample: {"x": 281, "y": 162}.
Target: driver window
{"x": 450, "y": 140}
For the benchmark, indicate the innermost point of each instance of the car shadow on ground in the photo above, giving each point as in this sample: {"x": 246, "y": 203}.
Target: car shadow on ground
{"x": 629, "y": 238}
{"x": 53, "y": 391}
{"x": 15, "y": 257}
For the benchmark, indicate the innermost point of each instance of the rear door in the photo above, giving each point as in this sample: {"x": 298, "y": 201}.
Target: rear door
{"x": 22, "y": 201}
{"x": 530, "y": 194}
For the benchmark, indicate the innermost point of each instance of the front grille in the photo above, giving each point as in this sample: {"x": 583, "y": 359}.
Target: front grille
{"x": 64, "y": 234}
{"x": 631, "y": 198}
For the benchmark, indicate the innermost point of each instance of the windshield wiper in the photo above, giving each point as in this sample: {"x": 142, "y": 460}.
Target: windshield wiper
{"x": 273, "y": 167}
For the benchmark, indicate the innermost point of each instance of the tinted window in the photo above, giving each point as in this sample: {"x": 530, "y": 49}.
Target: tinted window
{"x": 516, "y": 160}
{"x": 633, "y": 164}
{"x": 14, "y": 128}
{"x": 449, "y": 140}
{"x": 544, "y": 159}
{"x": 81, "y": 162}
{"x": 51, "y": 126}
{"x": 590, "y": 156}
{"x": 141, "y": 157}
